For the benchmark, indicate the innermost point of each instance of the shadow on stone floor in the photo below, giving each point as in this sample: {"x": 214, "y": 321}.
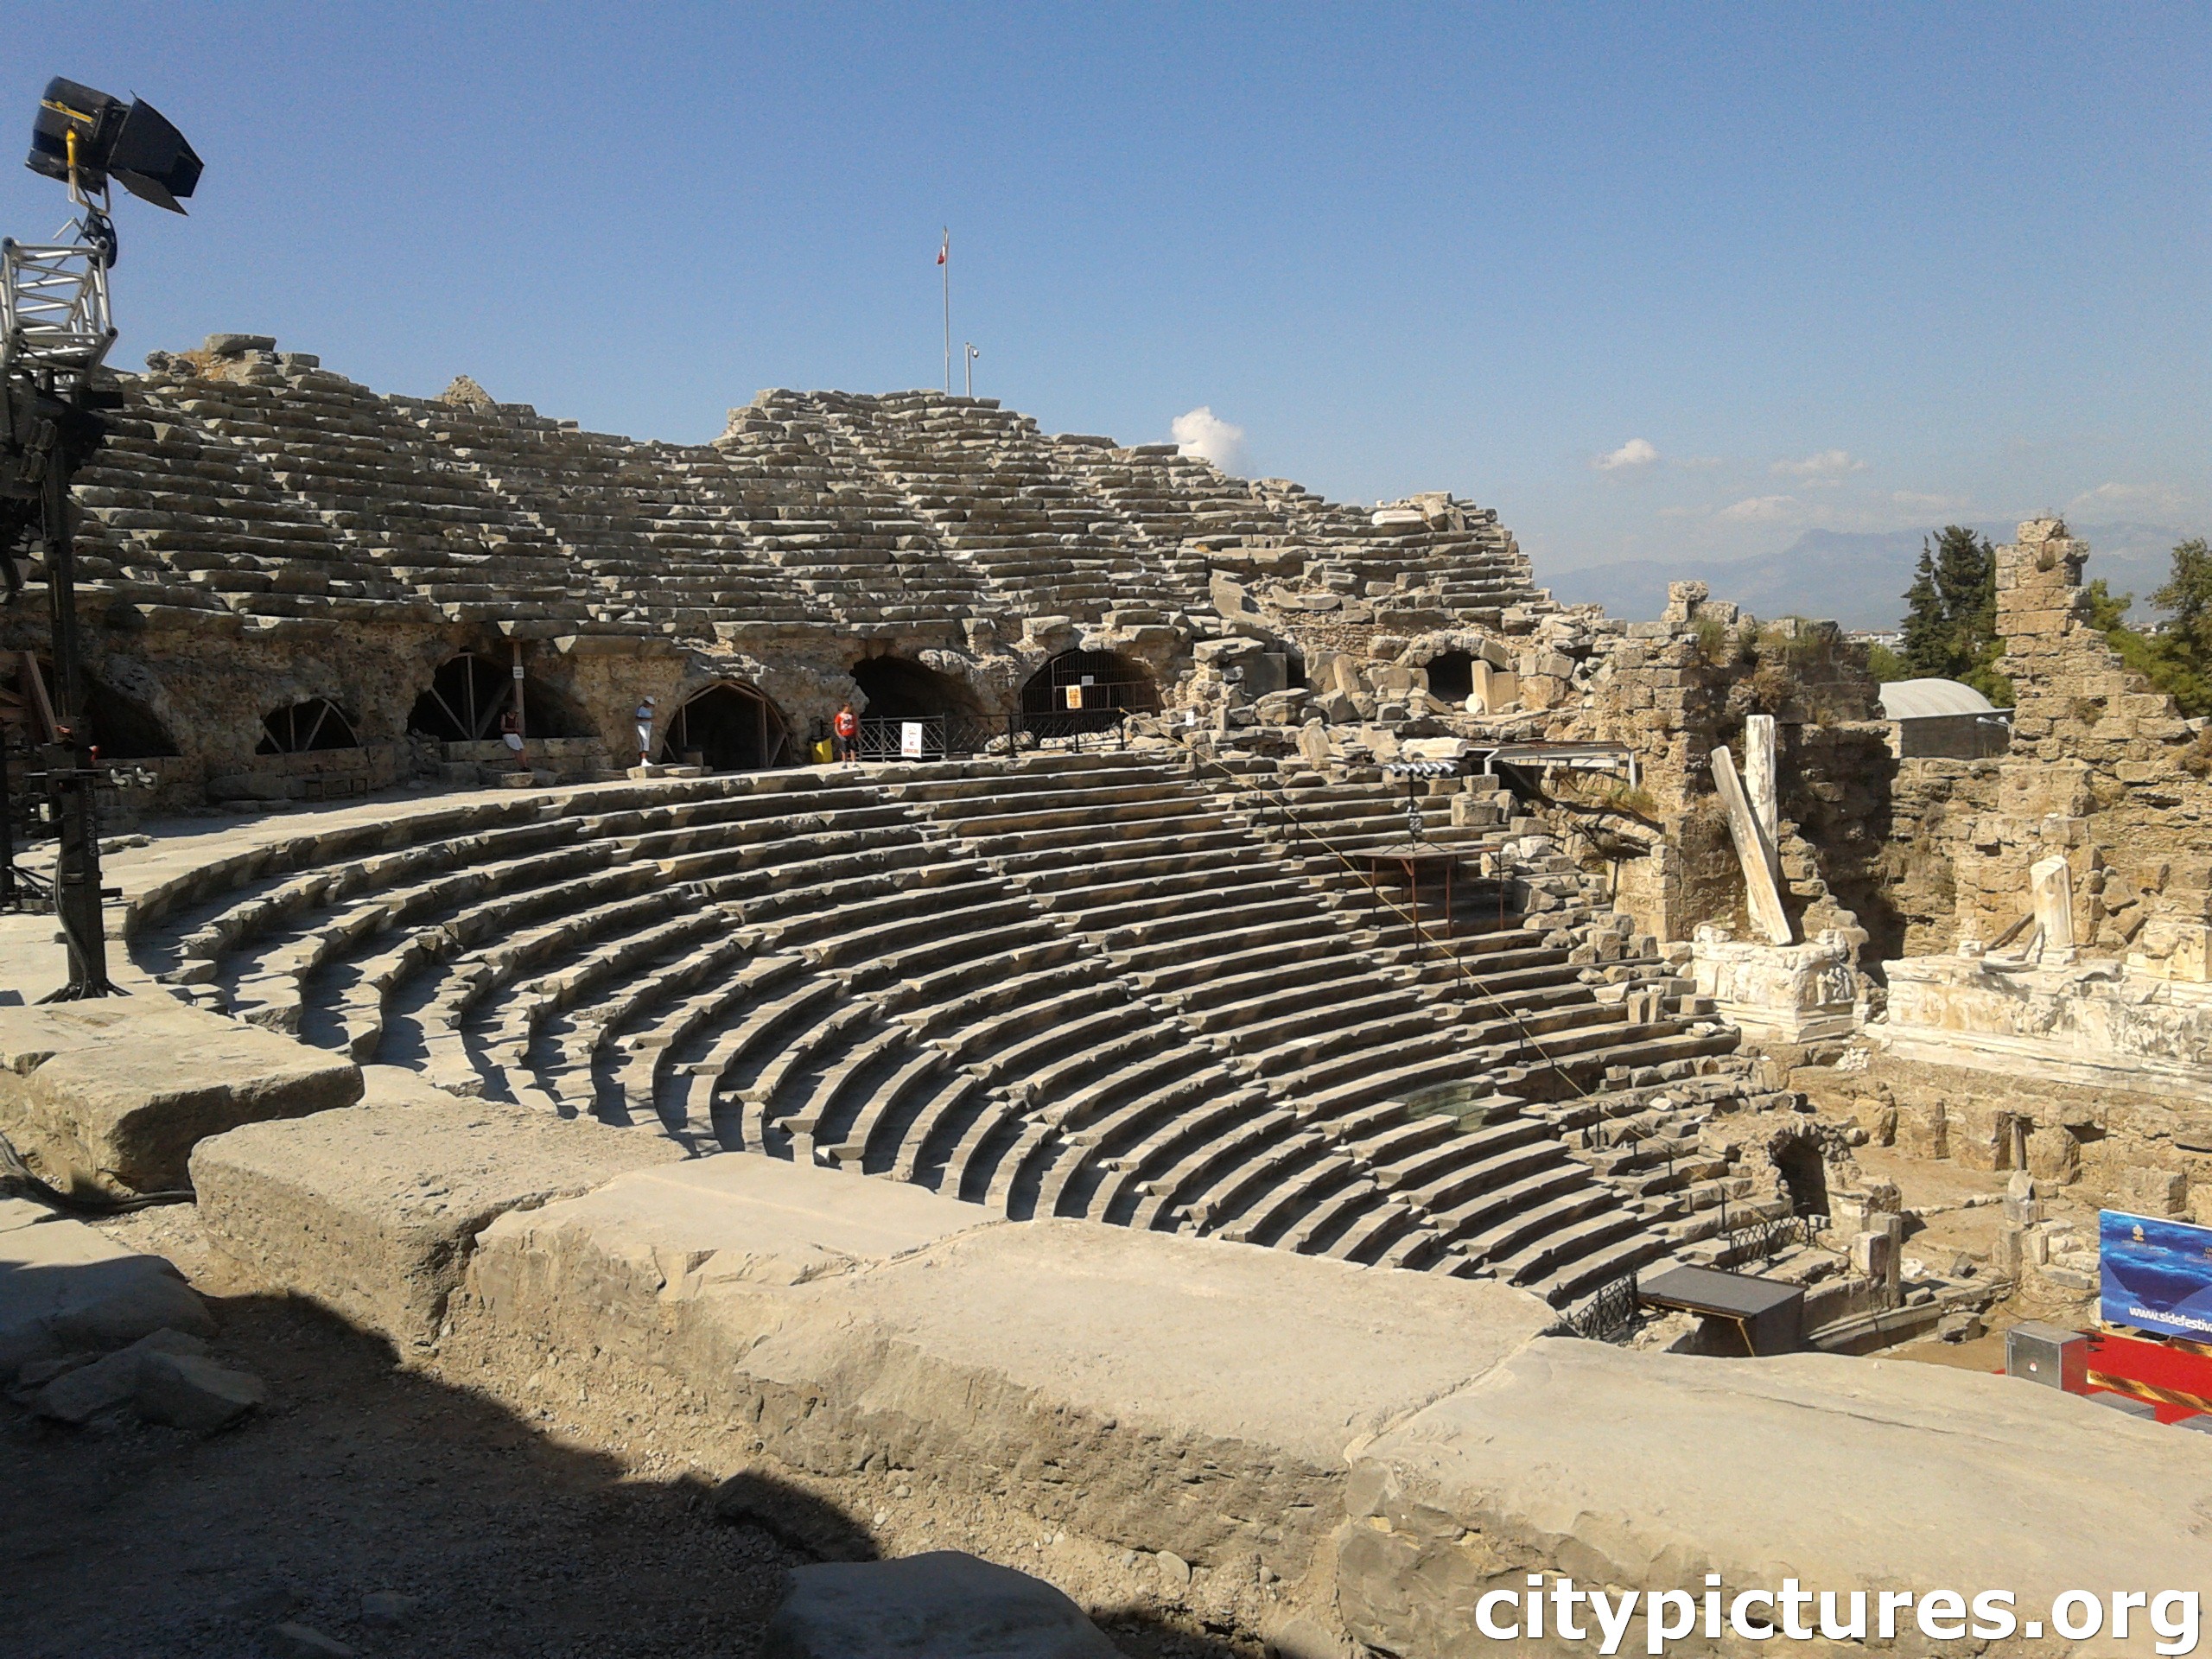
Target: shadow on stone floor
{"x": 363, "y": 1478}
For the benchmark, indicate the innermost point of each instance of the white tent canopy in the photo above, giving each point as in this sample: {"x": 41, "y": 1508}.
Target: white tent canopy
{"x": 1920, "y": 699}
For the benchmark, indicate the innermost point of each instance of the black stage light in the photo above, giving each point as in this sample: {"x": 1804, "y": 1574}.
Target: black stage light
{"x": 100, "y": 138}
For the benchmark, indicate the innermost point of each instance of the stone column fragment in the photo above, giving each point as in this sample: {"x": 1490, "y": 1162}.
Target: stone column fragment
{"x": 1761, "y": 891}
{"x": 2051, "y": 882}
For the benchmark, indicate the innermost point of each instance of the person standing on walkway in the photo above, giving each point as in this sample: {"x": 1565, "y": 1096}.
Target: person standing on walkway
{"x": 847, "y": 728}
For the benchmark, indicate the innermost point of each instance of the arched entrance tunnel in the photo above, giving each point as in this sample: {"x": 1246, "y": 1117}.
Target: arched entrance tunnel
{"x": 120, "y": 726}
{"x": 465, "y": 700}
{"x": 1805, "y": 1174}
{"x": 318, "y": 723}
{"x": 731, "y": 727}
{"x": 1088, "y": 680}
{"x": 472, "y": 691}
{"x": 897, "y": 688}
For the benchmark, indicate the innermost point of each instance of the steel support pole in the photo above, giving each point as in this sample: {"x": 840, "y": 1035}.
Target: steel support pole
{"x": 69, "y": 763}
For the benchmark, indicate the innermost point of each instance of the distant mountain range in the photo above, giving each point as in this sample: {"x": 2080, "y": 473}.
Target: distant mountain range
{"x": 1857, "y": 578}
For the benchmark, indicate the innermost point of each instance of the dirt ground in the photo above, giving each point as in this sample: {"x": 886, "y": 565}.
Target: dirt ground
{"x": 514, "y": 1536}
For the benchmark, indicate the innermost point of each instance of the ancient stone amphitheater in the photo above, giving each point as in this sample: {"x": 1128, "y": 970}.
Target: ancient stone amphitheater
{"x": 1289, "y": 887}
{"x": 264, "y": 536}
{"x": 1141, "y": 979}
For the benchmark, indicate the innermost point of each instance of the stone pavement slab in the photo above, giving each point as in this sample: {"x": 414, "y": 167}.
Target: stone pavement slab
{"x": 67, "y": 1287}
{"x": 1649, "y": 1471}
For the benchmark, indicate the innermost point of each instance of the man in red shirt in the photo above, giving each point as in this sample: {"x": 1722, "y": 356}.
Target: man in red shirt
{"x": 847, "y": 729}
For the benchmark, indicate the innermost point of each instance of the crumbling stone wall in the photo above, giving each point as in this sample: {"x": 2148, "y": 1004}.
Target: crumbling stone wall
{"x": 2102, "y": 771}
{"x": 1673, "y": 691}
{"x": 2144, "y": 1153}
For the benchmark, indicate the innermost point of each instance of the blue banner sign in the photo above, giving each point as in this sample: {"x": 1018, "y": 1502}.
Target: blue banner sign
{"x": 2157, "y": 1274}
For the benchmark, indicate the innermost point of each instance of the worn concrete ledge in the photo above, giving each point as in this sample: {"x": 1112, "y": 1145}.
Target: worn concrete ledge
{"x": 1391, "y": 1445}
{"x": 1649, "y": 1471}
{"x": 371, "y": 1212}
{"x": 113, "y": 1094}
{"x": 1157, "y": 1392}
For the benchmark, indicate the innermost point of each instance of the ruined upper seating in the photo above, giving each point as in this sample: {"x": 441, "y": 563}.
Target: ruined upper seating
{"x": 269, "y": 487}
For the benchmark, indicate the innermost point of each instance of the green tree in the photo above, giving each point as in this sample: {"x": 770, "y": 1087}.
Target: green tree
{"x": 1885, "y": 665}
{"x": 2106, "y": 614}
{"x": 1950, "y": 620}
{"x": 2187, "y": 597}
{"x": 2175, "y": 658}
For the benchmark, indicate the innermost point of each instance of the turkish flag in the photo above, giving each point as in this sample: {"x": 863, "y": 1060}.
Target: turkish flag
{"x": 943, "y": 250}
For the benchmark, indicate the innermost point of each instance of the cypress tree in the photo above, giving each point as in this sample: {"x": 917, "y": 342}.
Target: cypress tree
{"x": 1950, "y": 621}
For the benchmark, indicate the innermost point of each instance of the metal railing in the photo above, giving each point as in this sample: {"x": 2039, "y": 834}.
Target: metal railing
{"x": 1609, "y": 1314}
{"x": 1073, "y": 725}
{"x": 1768, "y": 1237}
{"x": 939, "y": 737}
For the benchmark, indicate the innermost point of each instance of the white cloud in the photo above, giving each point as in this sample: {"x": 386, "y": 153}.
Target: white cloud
{"x": 2156, "y": 497}
{"x": 1921, "y": 501}
{"x": 1759, "y": 509}
{"x": 1202, "y": 433}
{"x": 1826, "y": 468}
{"x": 1637, "y": 452}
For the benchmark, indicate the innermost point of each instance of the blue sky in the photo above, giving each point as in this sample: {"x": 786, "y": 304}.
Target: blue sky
{"x": 1654, "y": 282}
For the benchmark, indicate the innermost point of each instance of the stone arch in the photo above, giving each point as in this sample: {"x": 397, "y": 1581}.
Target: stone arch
{"x": 1445, "y": 661}
{"x": 472, "y": 690}
{"x": 1424, "y": 649}
{"x": 122, "y": 728}
{"x": 1102, "y": 680}
{"x": 1452, "y": 675}
{"x": 730, "y": 726}
{"x": 899, "y": 687}
{"x": 299, "y": 728}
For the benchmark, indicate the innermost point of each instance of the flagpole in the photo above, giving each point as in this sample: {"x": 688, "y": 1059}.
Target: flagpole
{"x": 946, "y": 261}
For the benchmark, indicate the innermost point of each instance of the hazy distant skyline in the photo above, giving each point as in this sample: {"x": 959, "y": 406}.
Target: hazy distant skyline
{"x": 1655, "y": 283}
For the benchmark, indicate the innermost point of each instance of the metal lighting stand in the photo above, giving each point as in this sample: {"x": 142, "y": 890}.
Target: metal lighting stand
{"x": 54, "y": 331}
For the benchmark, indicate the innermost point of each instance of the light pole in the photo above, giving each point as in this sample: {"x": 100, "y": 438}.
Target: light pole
{"x": 971, "y": 356}
{"x": 55, "y": 330}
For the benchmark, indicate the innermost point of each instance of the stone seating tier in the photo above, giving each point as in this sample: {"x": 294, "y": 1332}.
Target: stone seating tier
{"x": 1078, "y": 986}
{"x": 260, "y": 486}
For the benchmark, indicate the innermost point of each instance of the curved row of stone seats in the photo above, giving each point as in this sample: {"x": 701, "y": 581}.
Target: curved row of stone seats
{"x": 772, "y": 1053}
{"x": 181, "y": 513}
{"x": 274, "y": 487}
{"x": 1187, "y": 924}
{"x": 264, "y": 981}
{"x": 787, "y": 436}
{"x": 1537, "y": 1023}
{"x": 406, "y": 1002}
{"x": 983, "y": 478}
{"x": 453, "y": 539}
{"x": 831, "y": 966}
{"x": 179, "y": 927}
{"x": 864, "y": 898}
